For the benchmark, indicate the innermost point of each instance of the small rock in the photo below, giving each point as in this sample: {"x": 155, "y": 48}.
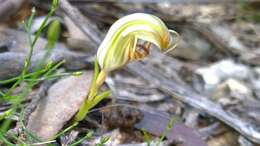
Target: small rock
{"x": 257, "y": 71}
{"x": 12, "y": 63}
{"x": 222, "y": 70}
{"x": 231, "y": 91}
{"x": 63, "y": 101}
{"x": 251, "y": 57}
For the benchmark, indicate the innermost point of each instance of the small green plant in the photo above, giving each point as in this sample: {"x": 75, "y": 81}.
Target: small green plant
{"x": 103, "y": 140}
{"x": 89, "y": 135}
{"x": 147, "y": 137}
{"x": 120, "y": 47}
{"x": 30, "y": 78}
{"x": 43, "y": 71}
{"x": 167, "y": 129}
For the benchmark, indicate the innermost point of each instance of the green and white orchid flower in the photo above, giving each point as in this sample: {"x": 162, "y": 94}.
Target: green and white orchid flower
{"x": 120, "y": 47}
{"x": 120, "y": 44}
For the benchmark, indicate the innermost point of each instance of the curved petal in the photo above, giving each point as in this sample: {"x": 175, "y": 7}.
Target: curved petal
{"x": 119, "y": 45}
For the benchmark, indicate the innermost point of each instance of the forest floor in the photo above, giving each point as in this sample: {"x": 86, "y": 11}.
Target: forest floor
{"x": 204, "y": 92}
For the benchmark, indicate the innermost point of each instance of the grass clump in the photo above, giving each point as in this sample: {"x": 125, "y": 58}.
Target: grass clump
{"x": 29, "y": 79}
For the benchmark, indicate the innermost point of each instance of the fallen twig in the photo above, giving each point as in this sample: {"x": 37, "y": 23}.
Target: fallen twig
{"x": 89, "y": 29}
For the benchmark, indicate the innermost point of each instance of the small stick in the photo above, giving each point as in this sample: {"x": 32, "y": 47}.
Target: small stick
{"x": 84, "y": 24}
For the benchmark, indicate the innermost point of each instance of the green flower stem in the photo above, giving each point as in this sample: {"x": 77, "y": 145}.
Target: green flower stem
{"x": 92, "y": 99}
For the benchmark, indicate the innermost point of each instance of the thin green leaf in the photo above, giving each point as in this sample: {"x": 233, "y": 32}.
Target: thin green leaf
{"x": 3, "y": 139}
{"x": 98, "y": 98}
{"x": 65, "y": 130}
{"x": 88, "y": 136}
